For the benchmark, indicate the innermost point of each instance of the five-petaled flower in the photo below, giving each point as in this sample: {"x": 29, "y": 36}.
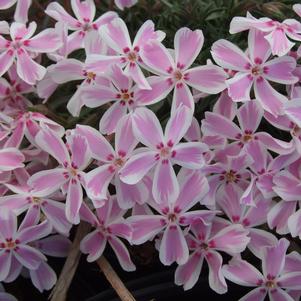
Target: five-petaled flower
{"x": 21, "y": 47}
{"x": 272, "y": 281}
{"x": 255, "y": 70}
{"x": 162, "y": 151}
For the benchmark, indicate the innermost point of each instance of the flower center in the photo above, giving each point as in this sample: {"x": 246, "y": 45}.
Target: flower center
{"x": 9, "y": 244}
{"x": 86, "y": 26}
{"x": 73, "y": 172}
{"x": 119, "y": 162}
{"x": 247, "y": 137}
{"x": 204, "y": 246}
{"x": 91, "y": 75}
{"x": 257, "y": 70}
{"x": 178, "y": 75}
{"x": 132, "y": 56}
{"x": 126, "y": 97}
{"x": 165, "y": 152}
{"x": 230, "y": 176}
{"x": 172, "y": 217}
{"x": 35, "y": 200}
{"x": 17, "y": 44}
{"x": 271, "y": 284}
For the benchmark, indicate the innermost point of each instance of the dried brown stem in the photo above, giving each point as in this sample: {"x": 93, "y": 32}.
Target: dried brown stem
{"x": 114, "y": 280}
{"x": 59, "y": 292}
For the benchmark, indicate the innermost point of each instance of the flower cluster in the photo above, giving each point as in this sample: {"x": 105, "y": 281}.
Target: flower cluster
{"x": 199, "y": 189}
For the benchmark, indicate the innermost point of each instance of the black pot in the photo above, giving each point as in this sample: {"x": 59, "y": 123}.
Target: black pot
{"x": 160, "y": 287}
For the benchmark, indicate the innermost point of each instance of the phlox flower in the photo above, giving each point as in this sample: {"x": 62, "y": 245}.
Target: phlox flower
{"x": 44, "y": 277}
{"x": 109, "y": 225}
{"x": 47, "y": 85}
{"x": 20, "y": 47}
{"x": 15, "y": 250}
{"x": 232, "y": 172}
{"x": 11, "y": 93}
{"x": 84, "y": 28}
{"x": 36, "y": 203}
{"x": 216, "y": 143}
{"x": 285, "y": 123}
{"x": 72, "y": 69}
{"x": 21, "y": 11}
{"x": 111, "y": 161}
{"x": 27, "y": 124}
{"x": 275, "y": 33}
{"x": 68, "y": 175}
{"x": 122, "y": 4}
{"x": 292, "y": 110}
{"x": 285, "y": 216}
{"x": 293, "y": 264}
{"x": 205, "y": 242}
{"x": 249, "y": 217}
{"x": 10, "y": 159}
{"x": 172, "y": 215}
{"x": 127, "y": 97}
{"x": 162, "y": 151}
{"x": 195, "y": 134}
{"x": 264, "y": 168}
{"x": 272, "y": 281}
{"x": 249, "y": 117}
{"x": 116, "y": 36}
{"x": 255, "y": 70}
{"x": 175, "y": 73}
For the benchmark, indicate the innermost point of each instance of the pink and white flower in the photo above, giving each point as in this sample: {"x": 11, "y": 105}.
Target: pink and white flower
{"x": 110, "y": 227}
{"x": 116, "y": 36}
{"x": 176, "y": 72}
{"x": 121, "y": 90}
{"x": 10, "y": 159}
{"x": 274, "y": 32}
{"x": 15, "y": 250}
{"x": 84, "y": 28}
{"x": 11, "y": 94}
{"x": 111, "y": 161}
{"x": 272, "y": 281}
{"x": 162, "y": 151}
{"x": 21, "y": 11}
{"x": 254, "y": 70}
{"x": 28, "y": 124}
{"x": 249, "y": 117}
{"x": 232, "y": 172}
{"x": 172, "y": 216}
{"x": 264, "y": 168}
{"x": 22, "y": 45}
{"x": 205, "y": 242}
{"x": 122, "y": 4}
{"x": 44, "y": 277}
{"x": 35, "y": 203}
{"x": 285, "y": 216}
{"x": 68, "y": 175}
{"x": 249, "y": 217}
{"x": 70, "y": 70}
